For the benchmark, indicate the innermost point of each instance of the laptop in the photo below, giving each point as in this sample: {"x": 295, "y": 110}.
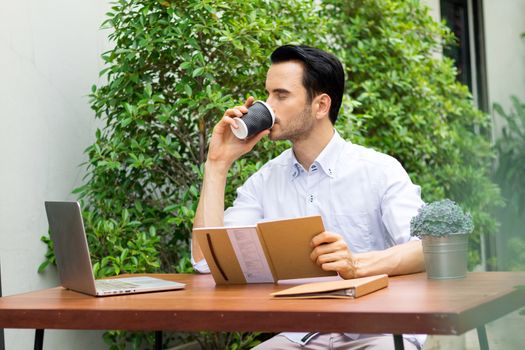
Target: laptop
{"x": 74, "y": 262}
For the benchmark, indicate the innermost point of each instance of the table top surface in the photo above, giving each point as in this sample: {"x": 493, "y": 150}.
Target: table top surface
{"x": 410, "y": 304}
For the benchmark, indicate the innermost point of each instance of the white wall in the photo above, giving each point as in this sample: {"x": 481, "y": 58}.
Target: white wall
{"x": 435, "y": 8}
{"x": 49, "y": 57}
{"x": 505, "y": 50}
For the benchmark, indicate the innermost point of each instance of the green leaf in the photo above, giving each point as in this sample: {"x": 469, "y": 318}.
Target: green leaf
{"x": 197, "y": 72}
{"x": 126, "y": 122}
{"x": 188, "y": 90}
{"x": 185, "y": 65}
{"x": 43, "y": 266}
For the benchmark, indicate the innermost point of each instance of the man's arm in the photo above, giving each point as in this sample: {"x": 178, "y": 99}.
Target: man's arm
{"x": 210, "y": 210}
{"x": 332, "y": 254}
{"x": 400, "y": 259}
{"x": 223, "y": 150}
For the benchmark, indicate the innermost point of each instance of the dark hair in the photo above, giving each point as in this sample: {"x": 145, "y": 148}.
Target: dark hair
{"x": 323, "y": 72}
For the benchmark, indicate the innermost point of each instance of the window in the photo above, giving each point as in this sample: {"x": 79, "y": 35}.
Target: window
{"x": 465, "y": 19}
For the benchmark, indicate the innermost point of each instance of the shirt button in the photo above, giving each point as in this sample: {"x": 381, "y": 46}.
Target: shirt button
{"x": 311, "y": 198}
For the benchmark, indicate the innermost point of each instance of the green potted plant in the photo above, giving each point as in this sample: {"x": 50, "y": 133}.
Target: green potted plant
{"x": 443, "y": 228}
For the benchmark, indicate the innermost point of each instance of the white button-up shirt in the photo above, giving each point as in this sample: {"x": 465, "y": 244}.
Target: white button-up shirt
{"x": 364, "y": 195}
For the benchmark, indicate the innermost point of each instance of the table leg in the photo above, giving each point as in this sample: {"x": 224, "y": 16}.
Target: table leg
{"x": 158, "y": 340}
{"x": 398, "y": 342}
{"x": 39, "y": 339}
{"x": 482, "y": 337}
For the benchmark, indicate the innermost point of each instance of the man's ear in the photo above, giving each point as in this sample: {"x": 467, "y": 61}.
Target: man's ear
{"x": 322, "y": 104}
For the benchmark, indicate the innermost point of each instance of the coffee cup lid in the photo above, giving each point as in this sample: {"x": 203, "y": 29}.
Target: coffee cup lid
{"x": 242, "y": 131}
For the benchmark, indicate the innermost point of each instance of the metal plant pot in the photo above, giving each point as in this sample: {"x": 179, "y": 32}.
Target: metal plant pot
{"x": 445, "y": 257}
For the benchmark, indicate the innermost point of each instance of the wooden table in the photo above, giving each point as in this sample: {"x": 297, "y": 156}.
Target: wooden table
{"x": 411, "y": 304}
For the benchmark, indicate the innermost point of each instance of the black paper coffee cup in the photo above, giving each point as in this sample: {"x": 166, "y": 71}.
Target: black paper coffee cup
{"x": 259, "y": 117}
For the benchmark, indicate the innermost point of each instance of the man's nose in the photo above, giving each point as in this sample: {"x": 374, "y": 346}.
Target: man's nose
{"x": 269, "y": 101}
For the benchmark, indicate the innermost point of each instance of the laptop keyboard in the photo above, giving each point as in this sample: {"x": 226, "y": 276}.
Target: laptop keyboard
{"x": 105, "y": 285}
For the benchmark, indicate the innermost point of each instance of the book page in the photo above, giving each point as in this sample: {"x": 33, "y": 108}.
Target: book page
{"x": 250, "y": 255}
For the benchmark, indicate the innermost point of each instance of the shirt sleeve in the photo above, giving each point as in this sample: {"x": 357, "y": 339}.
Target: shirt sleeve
{"x": 247, "y": 208}
{"x": 400, "y": 202}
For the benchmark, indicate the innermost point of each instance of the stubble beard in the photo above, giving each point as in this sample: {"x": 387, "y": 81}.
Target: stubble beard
{"x": 298, "y": 128}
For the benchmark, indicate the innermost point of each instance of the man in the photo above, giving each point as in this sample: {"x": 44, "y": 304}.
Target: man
{"x": 365, "y": 198}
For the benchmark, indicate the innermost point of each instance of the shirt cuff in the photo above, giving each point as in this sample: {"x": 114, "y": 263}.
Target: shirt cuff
{"x": 200, "y": 266}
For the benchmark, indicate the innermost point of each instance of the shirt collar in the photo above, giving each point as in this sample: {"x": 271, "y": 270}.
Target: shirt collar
{"x": 326, "y": 160}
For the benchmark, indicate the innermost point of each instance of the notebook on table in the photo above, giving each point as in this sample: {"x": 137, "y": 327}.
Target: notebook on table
{"x": 352, "y": 288}
{"x": 74, "y": 262}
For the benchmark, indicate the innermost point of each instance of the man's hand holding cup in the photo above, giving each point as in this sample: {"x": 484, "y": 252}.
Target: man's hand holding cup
{"x": 249, "y": 120}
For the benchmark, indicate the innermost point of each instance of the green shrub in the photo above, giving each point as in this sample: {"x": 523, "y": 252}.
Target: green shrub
{"x": 174, "y": 69}
{"x": 175, "y": 66}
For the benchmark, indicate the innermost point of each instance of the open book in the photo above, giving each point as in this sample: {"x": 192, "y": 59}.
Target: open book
{"x": 353, "y": 288}
{"x": 264, "y": 253}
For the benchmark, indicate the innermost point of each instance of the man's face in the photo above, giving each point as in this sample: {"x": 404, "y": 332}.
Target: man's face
{"x": 289, "y": 101}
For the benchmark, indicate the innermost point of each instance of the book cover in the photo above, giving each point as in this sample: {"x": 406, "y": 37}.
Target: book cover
{"x": 264, "y": 253}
